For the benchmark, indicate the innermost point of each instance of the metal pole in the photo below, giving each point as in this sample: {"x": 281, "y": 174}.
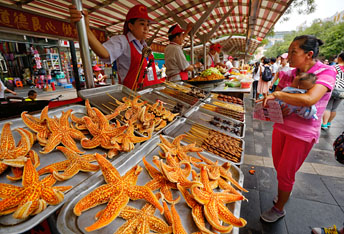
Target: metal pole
{"x": 84, "y": 47}
{"x": 192, "y": 55}
{"x": 75, "y": 65}
{"x": 205, "y": 54}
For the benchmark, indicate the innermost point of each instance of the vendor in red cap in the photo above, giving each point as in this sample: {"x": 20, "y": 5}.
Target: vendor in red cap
{"x": 213, "y": 58}
{"x": 177, "y": 67}
{"x": 124, "y": 49}
{"x": 99, "y": 78}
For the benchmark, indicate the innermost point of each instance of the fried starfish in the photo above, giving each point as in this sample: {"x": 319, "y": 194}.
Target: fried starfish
{"x": 173, "y": 219}
{"x": 175, "y": 172}
{"x": 175, "y": 149}
{"x": 116, "y": 192}
{"x": 160, "y": 182}
{"x": 128, "y": 139}
{"x": 39, "y": 126}
{"x": 61, "y": 132}
{"x": 33, "y": 197}
{"x": 10, "y": 154}
{"x": 214, "y": 204}
{"x": 142, "y": 221}
{"x": 197, "y": 210}
{"x": 102, "y": 132}
{"x": 215, "y": 171}
{"x": 71, "y": 166}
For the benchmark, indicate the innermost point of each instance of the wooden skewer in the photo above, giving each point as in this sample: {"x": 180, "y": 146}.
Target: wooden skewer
{"x": 107, "y": 107}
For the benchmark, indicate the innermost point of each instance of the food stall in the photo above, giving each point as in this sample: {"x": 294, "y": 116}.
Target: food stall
{"x": 167, "y": 147}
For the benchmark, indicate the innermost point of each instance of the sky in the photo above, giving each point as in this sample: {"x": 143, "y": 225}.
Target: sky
{"x": 324, "y": 9}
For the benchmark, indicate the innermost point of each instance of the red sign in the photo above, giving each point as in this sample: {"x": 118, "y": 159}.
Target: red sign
{"x": 12, "y": 18}
{"x": 157, "y": 47}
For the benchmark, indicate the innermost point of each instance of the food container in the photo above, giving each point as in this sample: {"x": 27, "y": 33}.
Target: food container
{"x": 67, "y": 222}
{"x": 246, "y": 83}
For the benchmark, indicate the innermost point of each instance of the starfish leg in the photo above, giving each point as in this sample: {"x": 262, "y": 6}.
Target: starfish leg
{"x": 142, "y": 192}
{"x": 7, "y": 190}
{"x": 52, "y": 196}
{"x": 228, "y": 217}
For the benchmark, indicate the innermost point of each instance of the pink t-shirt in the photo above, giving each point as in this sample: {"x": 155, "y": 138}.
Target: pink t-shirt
{"x": 296, "y": 126}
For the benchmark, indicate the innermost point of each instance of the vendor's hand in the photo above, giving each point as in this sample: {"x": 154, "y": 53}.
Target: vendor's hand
{"x": 198, "y": 65}
{"x": 14, "y": 93}
{"x": 76, "y": 15}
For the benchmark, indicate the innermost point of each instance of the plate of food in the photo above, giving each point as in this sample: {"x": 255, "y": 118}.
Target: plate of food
{"x": 210, "y": 75}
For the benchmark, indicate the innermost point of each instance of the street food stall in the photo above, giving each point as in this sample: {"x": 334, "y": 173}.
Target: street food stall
{"x": 112, "y": 162}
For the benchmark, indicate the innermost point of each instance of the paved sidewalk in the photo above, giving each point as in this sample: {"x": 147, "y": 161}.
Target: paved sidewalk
{"x": 318, "y": 194}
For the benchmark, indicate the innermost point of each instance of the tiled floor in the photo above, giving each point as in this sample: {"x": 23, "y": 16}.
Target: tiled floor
{"x": 318, "y": 194}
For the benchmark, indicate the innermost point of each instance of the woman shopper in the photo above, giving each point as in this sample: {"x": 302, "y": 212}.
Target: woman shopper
{"x": 293, "y": 140}
{"x": 263, "y": 86}
{"x": 335, "y": 100}
{"x": 124, "y": 49}
{"x": 256, "y": 77}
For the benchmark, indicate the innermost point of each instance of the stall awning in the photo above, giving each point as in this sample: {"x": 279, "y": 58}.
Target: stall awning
{"x": 251, "y": 18}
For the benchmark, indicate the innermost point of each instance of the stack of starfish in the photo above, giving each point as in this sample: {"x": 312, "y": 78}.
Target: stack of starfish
{"x": 202, "y": 199}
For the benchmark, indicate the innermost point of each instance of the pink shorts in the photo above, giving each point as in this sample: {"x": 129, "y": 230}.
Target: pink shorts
{"x": 288, "y": 154}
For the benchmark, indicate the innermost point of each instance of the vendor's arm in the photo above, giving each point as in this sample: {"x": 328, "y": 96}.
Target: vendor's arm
{"x": 188, "y": 29}
{"x": 10, "y": 91}
{"x": 192, "y": 67}
{"x": 96, "y": 45}
{"x": 301, "y": 99}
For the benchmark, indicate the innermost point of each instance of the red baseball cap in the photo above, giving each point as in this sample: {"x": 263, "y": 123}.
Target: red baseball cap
{"x": 140, "y": 12}
{"x": 176, "y": 29}
{"x": 217, "y": 47}
{"x": 230, "y": 57}
{"x": 96, "y": 68}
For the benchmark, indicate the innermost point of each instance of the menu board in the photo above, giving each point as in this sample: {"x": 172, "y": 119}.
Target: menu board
{"x": 271, "y": 112}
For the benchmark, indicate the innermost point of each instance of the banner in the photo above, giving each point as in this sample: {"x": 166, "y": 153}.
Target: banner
{"x": 158, "y": 48}
{"x": 16, "y": 19}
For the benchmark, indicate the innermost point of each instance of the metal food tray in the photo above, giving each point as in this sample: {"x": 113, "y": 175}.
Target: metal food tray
{"x": 222, "y": 115}
{"x": 67, "y": 222}
{"x": 211, "y": 98}
{"x": 8, "y": 224}
{"x": 152, "y": 96}
{"x": 157, "y": 90}
{"x": 98, "y": 96}
{"x": 183, "y": 125}
{"x": 198, "y": 115}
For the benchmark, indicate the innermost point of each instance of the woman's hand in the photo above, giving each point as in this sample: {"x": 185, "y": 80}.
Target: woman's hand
{"x": 266, "y": 99}
{"x": 76, "y": 15}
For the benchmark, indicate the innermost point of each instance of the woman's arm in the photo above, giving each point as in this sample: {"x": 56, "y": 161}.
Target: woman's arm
{"x": 10, "y": 91}
{"x": 96, "y": 46}
{"x": 300, "y": 99}
{"x": 274, "y": 80}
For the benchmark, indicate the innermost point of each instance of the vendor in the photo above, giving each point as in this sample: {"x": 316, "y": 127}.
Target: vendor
{"x": 99, "y": 78}
{"x": 229, "y": 64}
{"x": 177, "y": 67}
{"x": 213, "y": 58}
{"x": 124, "y": 49}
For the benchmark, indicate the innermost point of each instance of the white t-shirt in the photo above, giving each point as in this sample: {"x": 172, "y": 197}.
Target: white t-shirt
{"x": 229, "y": 64}
{"x": 210, "y": 59}
{"x": 119, "y": 50}
{"x": 274, "y": 68}
{"x": 175, "y": 61}
{"x": 2, "y": 89}
{"x": 256, "y": 76}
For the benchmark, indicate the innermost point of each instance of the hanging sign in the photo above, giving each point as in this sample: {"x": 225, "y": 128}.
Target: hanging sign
{"x": 22, "y": 20}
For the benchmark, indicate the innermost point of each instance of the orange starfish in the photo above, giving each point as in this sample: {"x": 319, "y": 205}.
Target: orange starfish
{"x": 116, "y": 193}
{"x": 9, "y": 153}
{"x": 71, "y": 166}
{"x": 61, "y": 132}
{"x": 175, "y": 149}
{"x": 173, "y": 219}
{"x": 128, "y": 139}
{"x": 33, "y": 197}
{"x": 102, "y": 132}
{"x": 197, "y": 210}
{"x": 39, "y": 126}
{"x": 160, "y": 182}
{"x": 215, "y": 171}
{"x": 214, "y": 204}
{"x": 175, "y": 172}
{"x": 142, "y": 221}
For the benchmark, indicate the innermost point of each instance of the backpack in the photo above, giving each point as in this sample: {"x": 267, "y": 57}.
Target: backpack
{"x": 338, "y": 90}
{"x": 338, "y": 146}
{"x": 267, "y": 74}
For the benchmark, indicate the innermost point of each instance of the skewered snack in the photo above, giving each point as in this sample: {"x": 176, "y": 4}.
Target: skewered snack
{"x": 226, "y": 125}
{"x": 191, "y": 90}
{"x": 231, "y": 113}
{"x": 215, "y": 142}
{"x": 229, "y": 106}
{"x": 227, "y": 98}
{"x": 180, "y": 95}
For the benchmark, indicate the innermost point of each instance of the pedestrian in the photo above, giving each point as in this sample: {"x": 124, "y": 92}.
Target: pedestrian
{"x": 3, "y": 88}
{"x": 256, "y": 77}
{"x": 293, "y": 140}
{"x": 263, "y": 86}
{"x": 284, "y": 67}
{"x": 177, "y": 67}
{"x": 126, "y": 49}
{"x": 337, "y": 94}
{"x": 274, "y": 70}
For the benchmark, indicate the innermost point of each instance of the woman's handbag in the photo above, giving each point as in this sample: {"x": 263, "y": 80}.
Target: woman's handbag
{"x": 338, "y": 91}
